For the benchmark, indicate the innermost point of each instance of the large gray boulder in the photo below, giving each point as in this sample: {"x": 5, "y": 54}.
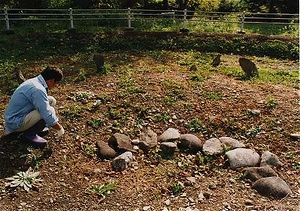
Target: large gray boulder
{"x": 272, "y": 187}
{"x": 242, "y": 157}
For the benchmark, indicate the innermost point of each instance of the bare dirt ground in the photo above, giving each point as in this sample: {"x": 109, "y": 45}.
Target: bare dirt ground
{"x": 156, "y": 92}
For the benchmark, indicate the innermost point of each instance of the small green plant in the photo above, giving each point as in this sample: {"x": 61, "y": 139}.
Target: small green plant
{"x": 270, "y": 102}
{"x": 161, "y": 117}
{"x": 195, "y": 125}
{"x": 102, "y": 190}
{"x": 73, "y": 112}
{"x": 81, "y": 76}
{"x": 296, "y": 165}
{"x": 115, "y": 113}
{"x": 82, "y": 96}
{"x": 196, "y": 77}
{"x": 203, "y": 159}
{"x": 88, "y": 149}
{"x": 213, "y": 95}
{"x": 175, "y": 189}
{"x": 242, "y": 176}
{"x": 27, "y": 180}
{"x": 95, "y": 123}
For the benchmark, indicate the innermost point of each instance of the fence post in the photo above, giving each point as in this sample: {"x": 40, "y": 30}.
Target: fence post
{"x": 71, "y": 18}
{"x": 173, "y": 12}
{"x": 242, "y": 23}
{"x": 6, "y": 18}
{"x": 129, "y": 17}
{"x": 184, "y": 29}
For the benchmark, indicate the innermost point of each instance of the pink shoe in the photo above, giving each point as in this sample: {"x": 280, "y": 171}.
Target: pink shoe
{"x": 34, "y": 140}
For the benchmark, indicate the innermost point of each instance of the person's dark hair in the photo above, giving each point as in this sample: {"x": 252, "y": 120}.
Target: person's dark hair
{"x": 52, "y": 73}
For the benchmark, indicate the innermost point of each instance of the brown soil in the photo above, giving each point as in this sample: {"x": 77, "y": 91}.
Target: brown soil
{"x": 68, "y": 166}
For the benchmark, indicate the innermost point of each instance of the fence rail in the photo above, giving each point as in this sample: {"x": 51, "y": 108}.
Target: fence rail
{"x": 129, "y": 16}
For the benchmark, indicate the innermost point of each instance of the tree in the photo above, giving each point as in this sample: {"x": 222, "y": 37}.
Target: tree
{"x": 273, "y": 6}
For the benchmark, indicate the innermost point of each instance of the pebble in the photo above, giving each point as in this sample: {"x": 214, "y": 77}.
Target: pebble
{"x": 146, "y": 208}
{"x": 168, "y": 202}
{"x": 248, "y": 202}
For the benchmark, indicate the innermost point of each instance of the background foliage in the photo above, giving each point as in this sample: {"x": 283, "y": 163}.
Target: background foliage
{"x": 271, "y": 6}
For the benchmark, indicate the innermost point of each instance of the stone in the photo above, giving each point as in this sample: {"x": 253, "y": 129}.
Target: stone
{"x": 212, "y": 146}
{"x": 268, "y": 158}
{"x": 171, "y": 134}
{"x": 295, "y": 136}
{"x": 105, "y": 151}
{"x": 216, "y": 61}
{"x": 248, "y": 67}
{"x": 99, "y": 62}
{"x": 120, "y": 143}
{"x": 148, "y": 140}
{"x": 122, "y": 161}
{"x": 242, "y": 157}
{"x": 168, "y": 147}
{"x": 272, "y": 187}
{"x": 193, "y": 68}
{"x": 190, "y": 143}
{"x": 256, "y": 173}
{"x": 231, "y": 143}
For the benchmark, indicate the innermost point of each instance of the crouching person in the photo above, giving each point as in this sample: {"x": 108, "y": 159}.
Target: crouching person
{"x": 30, "y": 111}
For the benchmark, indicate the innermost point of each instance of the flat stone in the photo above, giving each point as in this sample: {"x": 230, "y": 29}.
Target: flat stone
{"x": 212, "y": 146}
{"x": 231, "y": 143}
{"x": 171, "y": 134}
{"x": 256, "y": 173}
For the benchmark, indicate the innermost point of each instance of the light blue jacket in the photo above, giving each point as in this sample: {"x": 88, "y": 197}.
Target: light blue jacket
{"x": 30, "y": 95}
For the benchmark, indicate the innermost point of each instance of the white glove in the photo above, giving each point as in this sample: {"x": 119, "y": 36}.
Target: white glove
{"x": 60, "y": 132}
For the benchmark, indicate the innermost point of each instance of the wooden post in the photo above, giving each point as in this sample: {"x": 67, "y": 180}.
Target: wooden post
{"x": 6, "y": 18}
{"x": 129, "y": 17}
{"x": 71, "y": 18}
{"x": 242, "y": 23}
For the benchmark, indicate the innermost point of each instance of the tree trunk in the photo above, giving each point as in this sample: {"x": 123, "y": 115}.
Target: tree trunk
{"x": 165, "y": 4}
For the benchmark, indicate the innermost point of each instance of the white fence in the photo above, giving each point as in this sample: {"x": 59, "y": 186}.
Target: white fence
{"x": 129, "y": 16}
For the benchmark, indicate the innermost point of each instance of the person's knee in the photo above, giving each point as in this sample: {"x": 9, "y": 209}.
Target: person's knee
{"x": 52, "y": 101}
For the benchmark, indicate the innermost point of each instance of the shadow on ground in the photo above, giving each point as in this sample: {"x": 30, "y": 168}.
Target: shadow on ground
{"x": 16, "y": 155}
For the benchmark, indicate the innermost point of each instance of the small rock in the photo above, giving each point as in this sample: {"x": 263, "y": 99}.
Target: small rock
{"x": 105, "y": 151}
{"x": 168, "y": 202}
{"x": 231, "y": 143}
{"x": 145, "y": 208}
{"x": 295, "y": 136}
{"x": 268, "y": 158}
{"x": 120, "y": 143}
{"x": 212, "y": 146}
{"x": 248, "y": 202}
{"x": 190, "y": 143}
{"x": 122, "y": 161}
{"x": 171, "y": 134}
{"x": 168, "y": 147}
{"x": 148, "y": 140}
{"x": 255, "y": 173}
{"x": 248, "y": 67}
